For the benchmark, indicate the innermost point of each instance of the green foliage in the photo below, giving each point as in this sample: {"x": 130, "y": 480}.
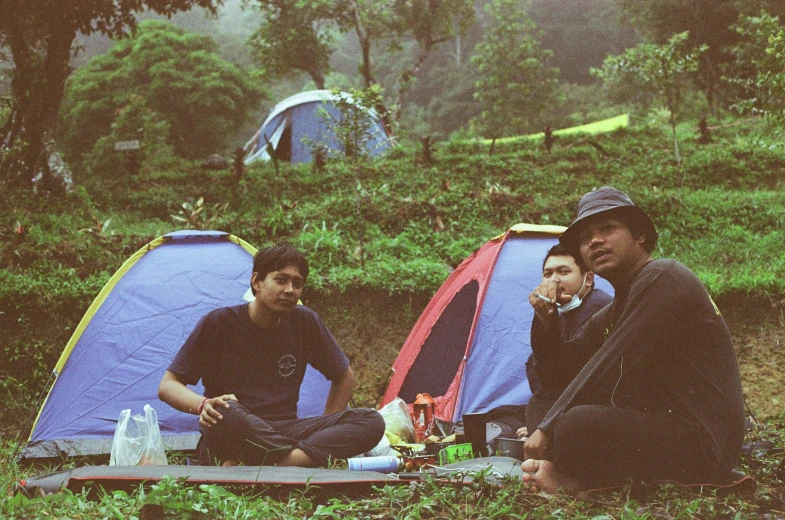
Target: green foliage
{"x": 137, "y": 122}
{"x": 354, "y": 124}
{"x": 162, "y": 79}
{"x": 40, "y": 39}
{"x": 708, "y": 23}
{"x": 515, "y": 84}
{"x": 194, "y": 216}
{"x": 660, "y": 69}
{"x": 755, "y": 65}
{"x": 449, "y": 91}
{"x": 296, "y": 37}
{"x": 481, "y": 494}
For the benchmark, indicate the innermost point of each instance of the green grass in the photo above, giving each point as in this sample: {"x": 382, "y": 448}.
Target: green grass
{"x": 381, "y": 238}
{"x": 482, "y": 499}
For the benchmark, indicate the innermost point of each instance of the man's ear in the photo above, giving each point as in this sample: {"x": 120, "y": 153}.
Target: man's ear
{"x": 589, "y": 279}
{"x": 256, "y": 279}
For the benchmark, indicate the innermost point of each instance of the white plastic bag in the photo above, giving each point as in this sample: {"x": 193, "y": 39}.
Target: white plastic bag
{"x": 383, "y": 448}
{"x": 397, "y": 419}
{"x": 137, "y": 440}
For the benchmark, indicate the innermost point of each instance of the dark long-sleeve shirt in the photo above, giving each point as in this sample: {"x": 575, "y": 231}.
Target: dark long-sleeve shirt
{"x": 550, "y": 370}
{"x": 661, "y": 346}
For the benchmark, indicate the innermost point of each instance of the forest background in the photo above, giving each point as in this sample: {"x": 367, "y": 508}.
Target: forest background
{"x": 457, "y": 82}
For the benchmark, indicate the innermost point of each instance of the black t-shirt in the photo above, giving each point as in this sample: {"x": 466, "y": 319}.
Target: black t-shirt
{"x": 661, "y": 346}
{"x": 263, "y": 368}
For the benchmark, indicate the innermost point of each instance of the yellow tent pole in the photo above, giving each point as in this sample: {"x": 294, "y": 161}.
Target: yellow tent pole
{"x": 522, "y": 228}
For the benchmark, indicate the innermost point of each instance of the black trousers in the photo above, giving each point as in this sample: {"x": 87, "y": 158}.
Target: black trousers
{"x": 537, "y": 409}
{"x": 512, "y": 417}
{"x": 604, "y": 446}
{"x": 247, "y": 438}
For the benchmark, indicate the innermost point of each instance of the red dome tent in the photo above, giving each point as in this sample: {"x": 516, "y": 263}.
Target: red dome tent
{"x": 469, "y": 347}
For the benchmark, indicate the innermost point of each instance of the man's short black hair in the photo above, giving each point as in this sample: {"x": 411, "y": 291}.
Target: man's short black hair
{"x": 560, "y": 250}
{"x": 638, "y": 227}
{"x": 277, "y": 257}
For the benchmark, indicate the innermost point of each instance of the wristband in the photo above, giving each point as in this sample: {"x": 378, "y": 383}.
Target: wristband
{"x": 201, "y": 407}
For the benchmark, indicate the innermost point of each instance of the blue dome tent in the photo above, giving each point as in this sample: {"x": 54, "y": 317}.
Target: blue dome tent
{"x": 298, "y": 121}
{"x": 118, "y": 353}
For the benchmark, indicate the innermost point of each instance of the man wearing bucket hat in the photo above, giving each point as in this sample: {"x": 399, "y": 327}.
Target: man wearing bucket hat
{"x": 660, "y": 398}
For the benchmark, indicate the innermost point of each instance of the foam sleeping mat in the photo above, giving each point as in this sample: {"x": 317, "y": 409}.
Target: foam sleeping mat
{"x": 261, "y": 479}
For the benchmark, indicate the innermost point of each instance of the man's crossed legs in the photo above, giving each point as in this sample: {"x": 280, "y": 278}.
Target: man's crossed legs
{"x": 244, "y": 437}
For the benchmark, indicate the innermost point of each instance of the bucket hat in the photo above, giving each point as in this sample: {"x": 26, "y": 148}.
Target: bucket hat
{"x": 602, "y": 200}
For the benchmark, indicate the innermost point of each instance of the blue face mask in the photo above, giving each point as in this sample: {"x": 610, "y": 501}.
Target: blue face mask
{"x": 576, "y": 300}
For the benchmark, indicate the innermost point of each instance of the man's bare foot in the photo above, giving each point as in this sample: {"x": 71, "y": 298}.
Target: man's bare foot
{"x": 541, "y": 475}
{"x": 230, "y": 462}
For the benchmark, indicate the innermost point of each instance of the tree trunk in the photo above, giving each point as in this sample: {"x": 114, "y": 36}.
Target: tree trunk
{"x": 36, "y": 94}
{"x": 406, "y": 77}
{"x": 675, "y": 141}
{"x": 317, "y": 77}
{"x": 364, "y": 36}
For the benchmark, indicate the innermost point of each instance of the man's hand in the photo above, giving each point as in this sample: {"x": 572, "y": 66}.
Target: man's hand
{"x": 522, "y": 433}
{"x": 544, "y": 299}
{"x": 537, "y": 446}
{"x": 210, "y": 410}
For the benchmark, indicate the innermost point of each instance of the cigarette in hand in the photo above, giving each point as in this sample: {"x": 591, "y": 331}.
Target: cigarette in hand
{"x": 547, "y": 300}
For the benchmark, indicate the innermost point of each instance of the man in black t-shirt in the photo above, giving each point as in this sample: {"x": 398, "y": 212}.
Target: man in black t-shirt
{"x": 251, "y": 359}
{"x": 661, "y": 398}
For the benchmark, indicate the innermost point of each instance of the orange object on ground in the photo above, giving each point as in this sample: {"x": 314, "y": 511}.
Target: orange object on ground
{"x": 424, "y": 413}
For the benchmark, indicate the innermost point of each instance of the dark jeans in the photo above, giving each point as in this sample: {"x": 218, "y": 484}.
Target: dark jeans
{"x": 603, "y": 446}
{"x": 246, "y": 438}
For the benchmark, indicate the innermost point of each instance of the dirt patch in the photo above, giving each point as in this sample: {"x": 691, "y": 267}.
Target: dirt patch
{"x": 758, "y": 329}
{"x": 371, "y": 328}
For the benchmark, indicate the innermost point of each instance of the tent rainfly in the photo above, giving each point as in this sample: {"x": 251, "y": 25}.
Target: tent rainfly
{"x": 119, "y": 351}
{"x": 469, "y": 347}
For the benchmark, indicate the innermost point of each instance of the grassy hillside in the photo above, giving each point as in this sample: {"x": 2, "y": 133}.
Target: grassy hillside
{"x": 382, "y": 237}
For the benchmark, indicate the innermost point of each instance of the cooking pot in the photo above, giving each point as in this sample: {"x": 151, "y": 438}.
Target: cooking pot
{"x": 510, "y": 448}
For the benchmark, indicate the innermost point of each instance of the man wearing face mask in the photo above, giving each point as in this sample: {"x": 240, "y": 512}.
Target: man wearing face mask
{"x": 549, "y": 371}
